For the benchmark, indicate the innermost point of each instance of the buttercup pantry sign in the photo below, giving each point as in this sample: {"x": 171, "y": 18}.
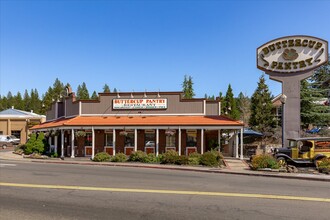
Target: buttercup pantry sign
{"x": 292, "y": 54}
{"x": 139, "y": 103}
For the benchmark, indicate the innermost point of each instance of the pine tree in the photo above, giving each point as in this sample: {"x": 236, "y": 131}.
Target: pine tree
{"x": 35, "y": 103}
{"x": 26, "y": 101}
{"x": 106, "y": 88}
{"x": 115, "y": 90}
{"x": 315, "y": 95}
{"x": 262, "y": 118}
{"x": 18, "y": 101}
{"x": 10, "y": 100}
{"x": 230, "y": 104}
{"x": 244, "y": 105}
{"x": 47, "y": 100}
{"x": 187, "y": 87}
{"x": 94, "y": 95}
{"x": 82, "y": 92}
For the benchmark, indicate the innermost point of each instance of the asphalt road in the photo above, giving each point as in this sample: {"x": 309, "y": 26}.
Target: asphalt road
{"x": 55, "y": 191}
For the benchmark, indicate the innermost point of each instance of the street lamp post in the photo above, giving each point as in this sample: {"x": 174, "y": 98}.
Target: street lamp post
{"x": 283, "y": 100}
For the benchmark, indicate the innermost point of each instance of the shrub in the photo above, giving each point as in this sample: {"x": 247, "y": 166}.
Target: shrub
{"x": 150, "y": 158}
{"x": 170, "y": 156}
{"x": 120, "y": 157}
{"x": 324, "y": 163}
{"x": 194, "y": 158}
{"x": 101, "y": 157}
{"x": 54, "y": 155}
{"x": 35, "y": 144}
{"x": 264, "y": 161}
{"x": 209, "y": 159}
{"x": 182, "y": 160}
{"x": 137, "y": 156}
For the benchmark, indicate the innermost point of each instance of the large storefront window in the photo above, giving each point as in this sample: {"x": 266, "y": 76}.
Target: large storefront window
{"x": 109, "y": 139}
{"x": 129, "y": 139}
{"x": 191, "y": 138}
{"x": 149, "y": 138}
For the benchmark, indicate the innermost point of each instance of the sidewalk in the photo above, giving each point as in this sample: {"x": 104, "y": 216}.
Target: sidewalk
{"x": 233, "y": 166}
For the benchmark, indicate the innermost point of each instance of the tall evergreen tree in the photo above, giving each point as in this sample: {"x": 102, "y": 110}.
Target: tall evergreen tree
{"x": 230, "y": 104}
{"x": 35, "y": 103}
{"x": 10, "y": 100}
{"x": 94, "y": 95}
{"x": 262, "y": 118}
{"x": 47, "y": 100}
{"x": 26, "y": 101}
{"x": 82, "y": 92}
{"x": 114, "y": 90}
{"x": 106, "y": 88}
{"x": 18, "y": 101}
{"x": 315, "y": 95}
{"x": 244, "y": 106}
{"x": 187, "y": 87}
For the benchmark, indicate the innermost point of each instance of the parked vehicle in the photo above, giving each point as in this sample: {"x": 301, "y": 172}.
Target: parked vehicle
{"x": 9, "y": 139}
{"x": 304, "y": 151}
{"x": 6, "y": 141}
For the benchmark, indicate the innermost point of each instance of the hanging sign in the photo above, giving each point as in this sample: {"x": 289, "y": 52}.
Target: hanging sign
{"x": 292, "y": 54}
{"x": 139, "y": 103}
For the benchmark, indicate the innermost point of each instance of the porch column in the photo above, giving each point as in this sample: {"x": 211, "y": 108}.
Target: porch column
{"x": 62, "y": 143}
{"x": 219, "y": 140}
{"x": 72, "y": 143}
{"x": 135, "y": 139}
{"x": 93, "y": 142}
{"x": 241, "y": 138}
{"x": 55, "y": 143}
{"x": 236, "y": 144}
{"x": 179, "y": 141}
{"x": 50, "y": 142}
{"x": 202, "y": 141}
{"x": 114, "y": 141}
{"x": 157, "y": 141}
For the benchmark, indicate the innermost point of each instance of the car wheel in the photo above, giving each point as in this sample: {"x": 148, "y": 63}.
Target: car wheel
{"x": 4, "y": 146}
{"x": 317, "y": 162}
{"x": 281, "y": 161}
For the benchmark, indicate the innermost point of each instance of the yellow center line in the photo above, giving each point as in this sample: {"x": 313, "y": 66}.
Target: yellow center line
{"x": 177, "y": 192}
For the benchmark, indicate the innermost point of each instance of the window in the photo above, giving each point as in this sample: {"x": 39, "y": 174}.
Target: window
{"x": 109, "y": 139}
{"x": 16, "y": 134}
{"x": 170, "y": 141}
{"x": 88, "y": 139}
{"x": 191, "y": 138}
{"x": 129, "y": 139}
{"x": 149, "y": 138}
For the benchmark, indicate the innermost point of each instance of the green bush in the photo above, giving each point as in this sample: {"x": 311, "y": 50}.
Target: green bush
{"x": 170, "y": 156}
{"x": 182, "y": 160}
{"x": 324, "y": 163}
{"x": 194, "y": 158}
{"x": 150, "y": 158}
{"x": 101, "y": 157}
{"x": 264, "y": 161}
{"x": 35, "y": 144}
{"x": 119, "y": 157}
{"x": 209, "y": 159}
{"x": 137, "y": 156}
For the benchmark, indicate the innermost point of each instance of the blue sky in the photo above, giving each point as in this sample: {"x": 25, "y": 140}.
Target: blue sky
{"x": 147, "y": 45}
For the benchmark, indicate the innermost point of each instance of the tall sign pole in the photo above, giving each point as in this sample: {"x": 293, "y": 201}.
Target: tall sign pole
{"x": 289, "y": 60}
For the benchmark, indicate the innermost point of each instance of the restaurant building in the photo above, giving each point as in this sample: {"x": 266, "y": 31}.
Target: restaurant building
{"x": 153, "y": 122}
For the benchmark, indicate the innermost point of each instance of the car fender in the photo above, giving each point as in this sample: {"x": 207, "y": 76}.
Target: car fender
{"x": 319, "y": 157}
{"x": 283, "y": 155}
